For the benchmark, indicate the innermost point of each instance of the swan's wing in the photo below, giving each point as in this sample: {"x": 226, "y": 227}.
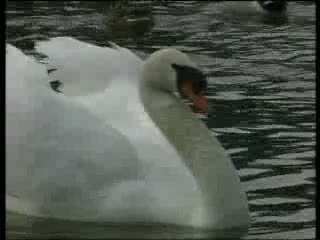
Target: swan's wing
{"x": 83, "y": 68}
{"x": 59, "y": 156}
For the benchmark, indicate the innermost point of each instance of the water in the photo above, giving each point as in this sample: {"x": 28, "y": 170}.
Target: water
{"x": 261, "y": 89}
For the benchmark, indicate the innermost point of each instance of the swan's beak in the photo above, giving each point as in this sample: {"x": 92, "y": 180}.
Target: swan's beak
{"x": 199, "y": 100}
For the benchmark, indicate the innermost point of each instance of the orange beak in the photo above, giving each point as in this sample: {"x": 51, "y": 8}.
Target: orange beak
{"x": 199, "y": 100}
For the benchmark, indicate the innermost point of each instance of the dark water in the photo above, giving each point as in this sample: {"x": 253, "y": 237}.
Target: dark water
{"x": 261, "y": 89}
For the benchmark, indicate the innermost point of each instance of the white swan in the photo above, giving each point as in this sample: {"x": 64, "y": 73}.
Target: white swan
{"x": 122, "y": 147}
{"x": 265, "y": 7}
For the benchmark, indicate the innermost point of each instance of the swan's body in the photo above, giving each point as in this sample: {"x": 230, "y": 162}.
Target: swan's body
{"x": 269, "y": 8}
{"x": 120, "y": 148}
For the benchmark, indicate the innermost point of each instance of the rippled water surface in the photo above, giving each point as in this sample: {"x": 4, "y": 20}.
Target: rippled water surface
{"x": 261, "y": 89}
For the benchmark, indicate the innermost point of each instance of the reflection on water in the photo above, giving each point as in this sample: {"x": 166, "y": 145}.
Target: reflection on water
{"x": 261, "y": 89}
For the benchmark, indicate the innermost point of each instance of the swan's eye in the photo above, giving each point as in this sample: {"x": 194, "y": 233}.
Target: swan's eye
{"x": 192, "y": 83}
{"x": 187, "y": 73}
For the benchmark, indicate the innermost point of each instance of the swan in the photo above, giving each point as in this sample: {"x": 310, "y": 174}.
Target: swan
{"x": 115, "y": 143}
{"x": 264, "y": 7}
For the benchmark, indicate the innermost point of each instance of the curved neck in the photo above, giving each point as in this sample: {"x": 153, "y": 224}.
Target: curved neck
{"x": 203, "y": 155}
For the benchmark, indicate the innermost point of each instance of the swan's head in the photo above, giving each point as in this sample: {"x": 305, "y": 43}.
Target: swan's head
{"x": 170, "y": 70}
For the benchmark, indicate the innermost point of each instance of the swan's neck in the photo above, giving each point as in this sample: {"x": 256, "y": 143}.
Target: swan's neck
{"x": 204, "y": 157}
